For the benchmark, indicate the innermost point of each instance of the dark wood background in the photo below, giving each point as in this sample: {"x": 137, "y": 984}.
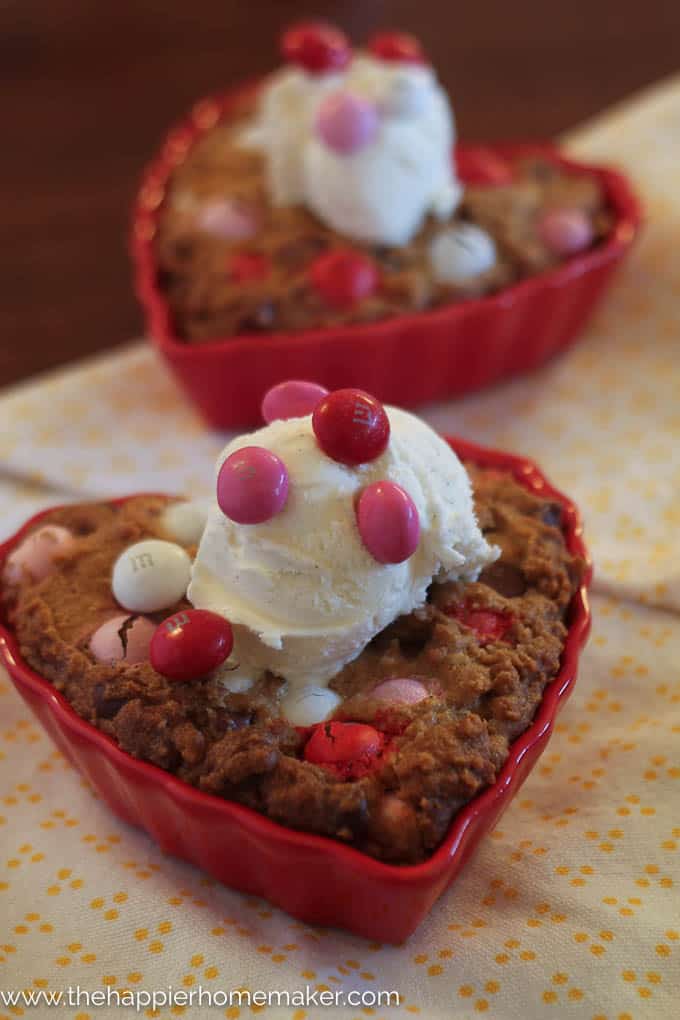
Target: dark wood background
{"x": 89, "y": 86}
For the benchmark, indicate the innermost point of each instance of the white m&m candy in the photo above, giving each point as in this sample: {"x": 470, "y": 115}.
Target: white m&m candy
{"x": 461, "y": 253}
{"x": 306, "y": 706}
{"x": 185, "y": 520}
{"x": 151, "y": 575}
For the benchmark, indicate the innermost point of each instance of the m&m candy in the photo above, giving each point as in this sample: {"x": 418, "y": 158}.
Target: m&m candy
{"x": 346, "y": 122}
{"x": 400, "y": 691}
{"x": 123, "y": 637}
{"x": 294, "y": 398}
{"x": 35, "y": 557}
{"x": 388, "y": 522}
{"x": 190, "y": 644}
{"x": 348, "y": 749}
{"x": 351, "y": 426}
{"x": 344, "y": 277}
{"x": 316, "y": 47}
{"x": 565, "y": 231}
{"x": 151, "y": 575}
{"x": 252, "y": 485}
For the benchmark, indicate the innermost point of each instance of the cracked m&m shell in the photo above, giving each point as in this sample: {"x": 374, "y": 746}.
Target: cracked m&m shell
{"x": 388, "y": 522}
{"x": 488, "y": 624}
{"x": 123, "y": 637}
{"x": 348, "y": 749}
{"x": 351, "y": 426}
{"x": 190, "y": 644}
{"x": 252, "y": 485}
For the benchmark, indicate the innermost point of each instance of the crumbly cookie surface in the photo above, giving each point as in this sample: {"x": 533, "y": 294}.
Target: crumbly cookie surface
{"x": 484, "y": 682}
{"x": 208, "y": 303}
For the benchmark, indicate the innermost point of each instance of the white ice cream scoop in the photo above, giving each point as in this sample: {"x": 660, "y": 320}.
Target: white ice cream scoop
{"x": 368, "y": 150}
{"x": 303, "y": 593}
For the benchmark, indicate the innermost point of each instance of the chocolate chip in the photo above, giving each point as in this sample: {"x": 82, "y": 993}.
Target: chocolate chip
{"x": 183, "y": 250}
{"x": 260, "y": 320}
{"x": 388, "y": 257}
{"x": 105, "y": 707}
{"x": 505, "y": 578}
{"x": 551, "y": 514}
{"x": 301, "y": 251}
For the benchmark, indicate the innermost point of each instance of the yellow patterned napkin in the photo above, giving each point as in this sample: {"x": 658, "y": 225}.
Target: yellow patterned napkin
{"x": 571, "y": 907}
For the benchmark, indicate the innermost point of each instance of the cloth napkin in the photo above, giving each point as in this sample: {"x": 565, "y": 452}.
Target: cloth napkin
{"x": 570, "y": 908}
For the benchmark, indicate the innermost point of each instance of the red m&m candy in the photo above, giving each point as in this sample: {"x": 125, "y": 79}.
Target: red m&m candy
{"x": 316, "y": 47}
{"x": 344, "y": 277}
{"x": 349, "y": 749}
{"x": 246, "y": 266}
{"x": 397, "y": 47}
{"x": 351, "y": 426}
{"x": 190, "y": 644}
{"x": 252, "y": 485}
{"x": 388, "y": 522}
{"x": 488, "y": 624}
{"x": 294, "y": 398}
{"x": 480, "y": 166}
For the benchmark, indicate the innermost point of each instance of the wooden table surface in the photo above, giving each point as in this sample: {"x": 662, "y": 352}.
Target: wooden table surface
{"x": 89, "y": 88}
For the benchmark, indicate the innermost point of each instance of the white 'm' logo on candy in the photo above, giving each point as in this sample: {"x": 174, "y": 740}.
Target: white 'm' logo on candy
{"x": 142, "y": 561}
{"x": 362, "y": 414}
{"x": 177, "y": 622}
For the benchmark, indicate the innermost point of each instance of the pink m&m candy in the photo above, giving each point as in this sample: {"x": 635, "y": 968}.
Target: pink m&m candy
{"x": 226, "y": 219}
{"x": 191, "y": 644}
{"x": 388, "y": 522}
{"x": 400, "y": 690}
{"x": 35, "y": 557}
{"x": 565, "y": 231}
{"x": 351, "y": 426}
{"x": 123, "y": 637}
{"x": 344, "y": 277}
{"x": 346, "y": 123}
{"x": 292, "y": 399}
{"x": 317, "y": 47}
{"x": 252, "y": 485}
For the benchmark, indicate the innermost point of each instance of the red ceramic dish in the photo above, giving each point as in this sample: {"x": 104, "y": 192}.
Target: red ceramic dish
{"x": 406, "y": 360}
{"x": 314, "y": 878}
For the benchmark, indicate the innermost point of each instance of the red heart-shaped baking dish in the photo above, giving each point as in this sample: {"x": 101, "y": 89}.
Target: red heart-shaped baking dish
{"x": 404, "y": 360}
{"x": 316, "y": 879}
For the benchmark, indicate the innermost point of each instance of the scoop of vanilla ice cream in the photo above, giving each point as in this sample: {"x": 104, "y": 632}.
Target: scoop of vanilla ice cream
{"x": 303, "y": 594}
{"x": 383, "y": 192}
{"x": 288, "y": 106}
